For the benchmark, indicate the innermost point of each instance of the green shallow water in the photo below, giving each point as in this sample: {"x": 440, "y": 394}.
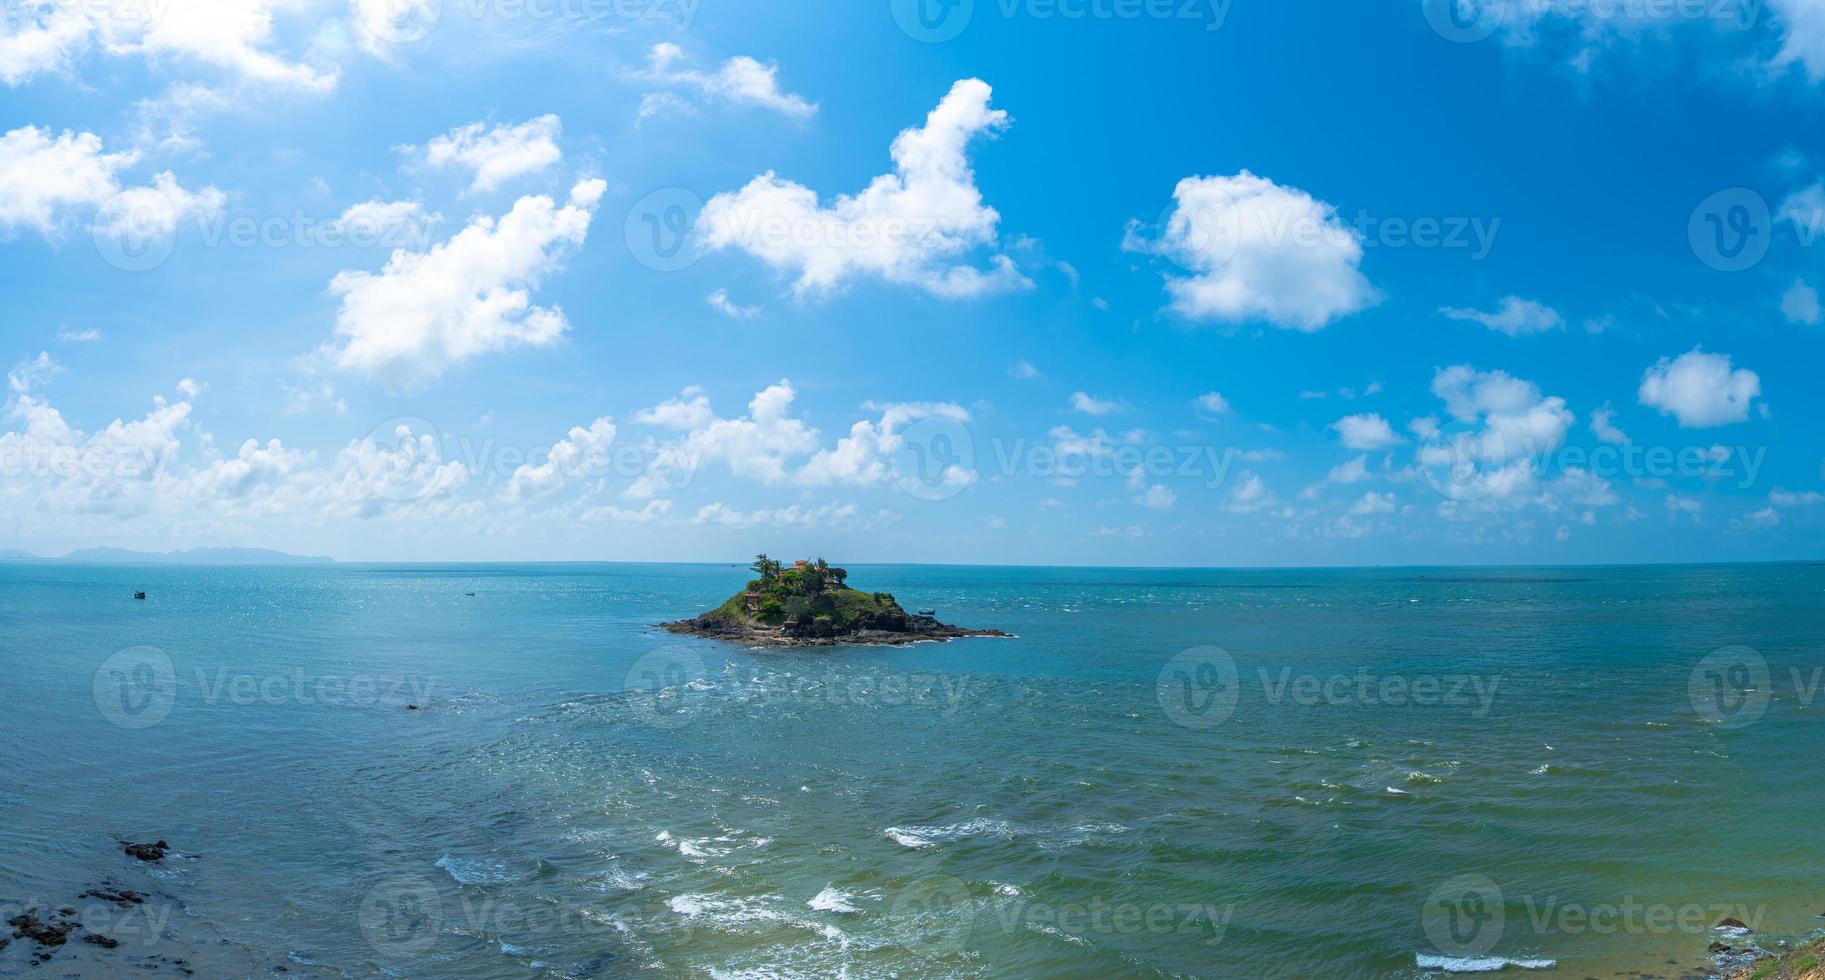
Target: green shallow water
{"x": 582, "y": 795}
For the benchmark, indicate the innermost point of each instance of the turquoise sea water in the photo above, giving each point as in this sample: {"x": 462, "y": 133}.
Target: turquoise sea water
{"x": 1376, "y": 773}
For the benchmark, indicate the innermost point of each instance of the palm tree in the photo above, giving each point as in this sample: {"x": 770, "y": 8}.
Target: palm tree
{"x": 765, "y": 567}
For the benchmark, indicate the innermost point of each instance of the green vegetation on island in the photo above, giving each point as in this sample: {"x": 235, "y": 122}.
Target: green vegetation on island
{"x": 811, "y": 602}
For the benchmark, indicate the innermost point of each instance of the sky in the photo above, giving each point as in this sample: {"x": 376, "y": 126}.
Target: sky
{"x": 1088, "y": 282}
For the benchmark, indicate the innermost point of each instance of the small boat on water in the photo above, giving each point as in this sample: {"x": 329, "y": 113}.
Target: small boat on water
{"x": 139, "y": 595}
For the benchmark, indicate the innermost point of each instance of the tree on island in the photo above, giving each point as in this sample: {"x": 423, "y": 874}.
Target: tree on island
{"x": 765, "y": 567}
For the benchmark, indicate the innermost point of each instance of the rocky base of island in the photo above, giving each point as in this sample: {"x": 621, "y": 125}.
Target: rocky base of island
{"x": 914, "y": 629}
{"x": 812, "y": 604}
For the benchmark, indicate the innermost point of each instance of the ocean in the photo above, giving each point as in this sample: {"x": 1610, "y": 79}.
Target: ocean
{"x": 1558, "y": 772}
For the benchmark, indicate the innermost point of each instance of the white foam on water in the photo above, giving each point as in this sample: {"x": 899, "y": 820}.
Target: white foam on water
{"x": 473, "y": 871}
{"x": 833, "y": 900}
{"x": 1480, "y": 964}
{"x": 1049, "y": 839}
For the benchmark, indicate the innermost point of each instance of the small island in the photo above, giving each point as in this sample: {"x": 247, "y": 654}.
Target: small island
{"x": 811, "y": 604}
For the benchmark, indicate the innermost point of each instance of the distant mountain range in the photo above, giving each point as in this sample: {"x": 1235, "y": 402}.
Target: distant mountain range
{"x": 193, "y": 556}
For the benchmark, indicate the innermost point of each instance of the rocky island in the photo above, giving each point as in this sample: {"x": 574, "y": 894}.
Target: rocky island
{"x": 811, "y": 604}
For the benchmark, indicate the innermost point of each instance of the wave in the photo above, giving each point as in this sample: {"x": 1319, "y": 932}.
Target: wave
{"x": 475, "y": 871}
{"x": 1480, "y": 964}
{"x": 1047, "y": 838}
{"x": 833, "y": 900}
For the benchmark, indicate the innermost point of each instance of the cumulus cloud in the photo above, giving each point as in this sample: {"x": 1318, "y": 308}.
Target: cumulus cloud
{"x": 1800, "y": 303}
{"x": 690, "y": 410}
{"x": 578, "y": 455}
{"x": 234, "y": 36}
{"x": 1700, "y": 390}
{"x": 794, "y": 516}
{"x": 1603, "y": 426}
{"x": 912, "y": 227}
{"x": 1024, "y": 370}
{"x": 1257, "y": 250}
{"x": 1366, "y": 431}
{"x": 1373, "y": 503}
{"x": 1211, "y": 404}
{"x": 46, "y": 179}
{"x": 1352, "y": 471}
{"x": 1157, "y": 497}
{"x": 498, "y": 154}
{"x": 1491, "y": 457}
{"x": 1515, "y": 317}
{"x": 741, "y": 80}
{"x": 427, "y": 311}
{"x": 1091, "y": 405}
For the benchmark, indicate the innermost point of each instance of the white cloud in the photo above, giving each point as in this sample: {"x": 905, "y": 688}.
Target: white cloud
{"x": 234, "y": 36}
{"x": 741, "y": 80}
{"x": 45, "y": 179}
{"x": 86, "y": 336}
{"x": 1091, "y": 405}
{"x": 1604, "y": 428}
{"x": 1766, "y": 517}
{"x": 860, "y": 458}
{"x": 759, "y": 447}
{"x": 1800, "y": 303}
{"x": 578, "y": 455}
{"x": 655, "y": 510}
{"x": 1211, "y": 403}
{"x": 690, "y": 410}
{"x": 1352, "y": 471}
{"x": 427, "y": 311}
{"x": 1700, "y": 390}
{"x": 1788, "y": 498}
{"x": 1250, "y": 494}
{"x": 1803, "y": 38}
{"x": 720, "y": 302}
{"x": 1257, "y": 250}
{"x": 1024, "y": 371}
{"x": 499, "y": 154}
{"x": 1366, "y": 431}
{"x": 911, "y": 227}
{"x": 1157, "y": 497}
{"x": 1488, "y": 459}
{"x": 394, "y": 224}
{"x": 1515, "y": 317}
{"x": 1373, "y": 503}
{"x": 828, "y": 515}
{"x": 1683, "y": 504}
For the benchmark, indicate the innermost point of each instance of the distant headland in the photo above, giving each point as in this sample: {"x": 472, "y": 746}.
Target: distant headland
{"x": 811, "y": 604}
{"x": 192, "y": 556}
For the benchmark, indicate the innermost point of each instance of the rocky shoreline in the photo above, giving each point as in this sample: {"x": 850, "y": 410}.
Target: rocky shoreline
{"x": 914, "y": 629}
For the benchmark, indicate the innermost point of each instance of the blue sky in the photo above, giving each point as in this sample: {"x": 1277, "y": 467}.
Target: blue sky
{"x": 1033, "y": 281}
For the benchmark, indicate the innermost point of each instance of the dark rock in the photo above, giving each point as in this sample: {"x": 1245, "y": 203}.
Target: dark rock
{"x": 1728, "y": 922}
{"x": 28, "y": 926}
{"x": 148, "y": 852}
{"x": 413, "y": 707}
{"x": 102, "y": 941}
{"x": 121, "y": 897}
{"x": 1717, "y": 948}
